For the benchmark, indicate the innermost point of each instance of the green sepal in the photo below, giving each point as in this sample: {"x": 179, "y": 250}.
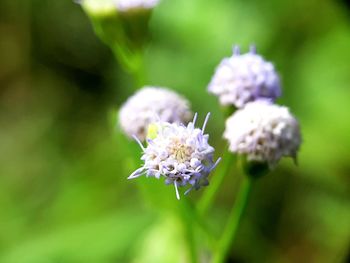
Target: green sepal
{"x": 254, "y": 169}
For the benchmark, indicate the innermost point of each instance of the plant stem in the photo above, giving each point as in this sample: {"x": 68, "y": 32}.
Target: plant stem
{"x": 139, "y": 69}
{"x": 235, "y": 217}
{"x": 123, "y": 56}
{"x": 201, "y": 223}
{"x": 131, "y": 62}
{"x": 209, "y": 195}
{"x": 186, "y": 213}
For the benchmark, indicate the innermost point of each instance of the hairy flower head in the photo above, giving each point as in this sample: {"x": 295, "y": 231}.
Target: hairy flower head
{"x": 181, "y": 154}
{"x": 149, "y": 105}
{"x": 264, "y": 132}
{"x": 240, "y": 79}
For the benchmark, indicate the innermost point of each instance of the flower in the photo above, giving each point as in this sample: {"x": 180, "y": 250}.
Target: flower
{"x": 149, "y": 105}
{"x": 103, "y": 6}
{"x": 243, "y": 78}
{"x": 264, "y": 132}
{"x": 181, "y": 154}
{"x": 127, "y": 5}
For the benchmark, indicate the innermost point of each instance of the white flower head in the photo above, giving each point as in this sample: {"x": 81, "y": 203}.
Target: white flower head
{"x": 128, "y": 5}
{"x": 149, "y": 105}
{"x": 181, "y": 154}
{"x": 240, "y": 79}
{"x": 264, "y": 132}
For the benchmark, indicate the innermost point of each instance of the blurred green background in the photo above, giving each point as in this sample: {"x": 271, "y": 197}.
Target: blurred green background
{"x": 64, "y": 197}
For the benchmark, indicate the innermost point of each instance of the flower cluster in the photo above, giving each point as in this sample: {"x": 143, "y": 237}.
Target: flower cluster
{"x": 264, "y": 132}
{"x": 243, "y": 78}
{"x": 149, "y": 105}
{"x": 181, "y": 154}
{"x": 260, "y": 130}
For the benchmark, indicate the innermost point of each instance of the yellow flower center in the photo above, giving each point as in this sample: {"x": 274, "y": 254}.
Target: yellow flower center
{"x": 180, "y": 151}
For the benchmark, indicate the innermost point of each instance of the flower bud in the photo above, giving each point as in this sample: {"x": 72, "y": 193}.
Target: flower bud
{"x": 134, "y": 17}
{"x": 121, "y": 22}
{"x": 105, "y": 20}
{"x": 150, "y": 105}
{"x": 240, "y": 79}
{"x": 135, "y": 5}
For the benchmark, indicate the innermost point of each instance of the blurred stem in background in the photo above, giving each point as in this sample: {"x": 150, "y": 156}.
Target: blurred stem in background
{"x": 186, "y": 212}
{"x": 208, "y": 197}
{"x": 125, "y": 32}
{"x": 229, "y": 161}
{"x": 131, "y": 62}
{"x": 234, "y": 220}
{"x": 199, "y": 219}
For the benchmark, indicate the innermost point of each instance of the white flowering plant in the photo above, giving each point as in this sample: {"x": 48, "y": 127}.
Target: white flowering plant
{"x": 177, "y": 152}
{"x": 174, "y": 131}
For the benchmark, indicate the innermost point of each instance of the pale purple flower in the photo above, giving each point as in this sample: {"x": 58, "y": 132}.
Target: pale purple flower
{"x": 149, "y": 105}
{"x": 240, "y": 79}
{"x": 181, "y": 154}
{"x": 263, "y": 132}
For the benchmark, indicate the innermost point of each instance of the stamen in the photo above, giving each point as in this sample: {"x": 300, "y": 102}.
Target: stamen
{"x": 236, "y": 50}
{"x": 252, "y": 49}
{"x": 188, "y": 190}
{"x": 215, "y": 164}
{"x": 177, "y": 191}
{"x": 139, "y": 142}
{"x": 205, "y": 122}
{"x": 136, "y": 173}
{"x": 194, "y": 119}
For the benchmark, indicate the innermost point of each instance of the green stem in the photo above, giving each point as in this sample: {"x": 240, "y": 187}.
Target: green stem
{"x": 195, "y": 216}
{"x": 186, "y": 212}
{"x": 228, "y": 159}
{"x": 139, "y": 69}
{"x": 209, "y": 195}
{"x": 132, "y": 63}
{"x": 120, "y": 52}
{"x": 123, "y": 56}
{"x": 235, "y": 217}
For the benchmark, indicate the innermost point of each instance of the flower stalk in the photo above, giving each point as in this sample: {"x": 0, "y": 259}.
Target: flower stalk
{"x": 231, "y": 229}
{"x": 208, "y": 197}
{"x": 123, "y": 26}
{"x": 189, "y": 229}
